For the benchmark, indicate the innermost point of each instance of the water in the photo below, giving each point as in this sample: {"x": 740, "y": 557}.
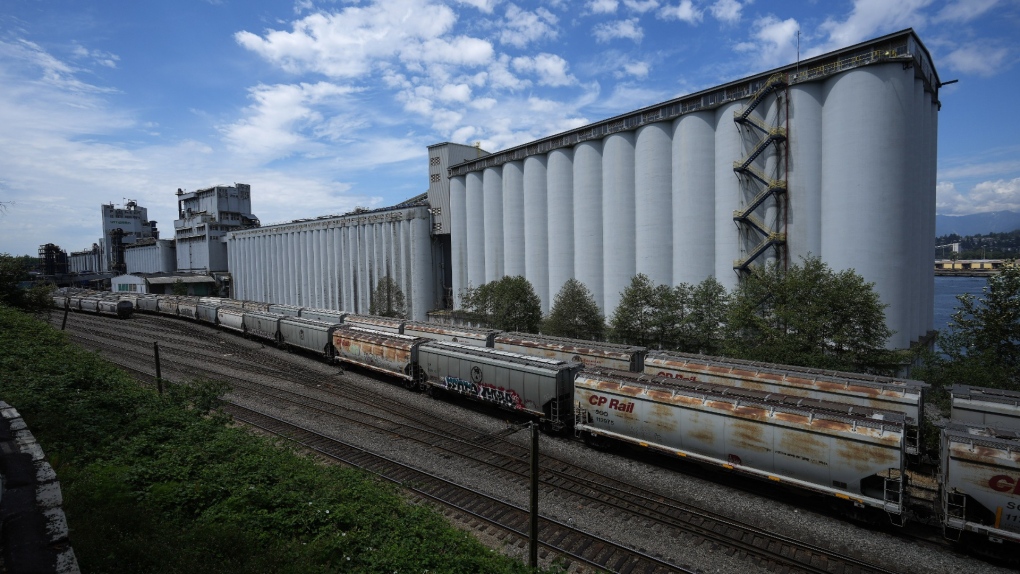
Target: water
{"x": 946, "y": 290}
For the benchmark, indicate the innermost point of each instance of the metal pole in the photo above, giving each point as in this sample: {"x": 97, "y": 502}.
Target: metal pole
{"x": 533, "y": 534}
{"x": 67, "y": 309}
{"x": 159, "y": 375}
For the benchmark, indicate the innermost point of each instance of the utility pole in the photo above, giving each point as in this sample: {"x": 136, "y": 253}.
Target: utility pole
{"x": 533, "y": 534}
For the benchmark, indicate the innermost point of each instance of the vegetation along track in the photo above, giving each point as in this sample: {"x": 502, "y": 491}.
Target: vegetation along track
{"x": 204, "y": 359}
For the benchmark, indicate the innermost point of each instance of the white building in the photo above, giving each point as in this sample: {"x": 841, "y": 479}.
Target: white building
{"x": 204, "y": 218}
{"x": 151, "y": 256}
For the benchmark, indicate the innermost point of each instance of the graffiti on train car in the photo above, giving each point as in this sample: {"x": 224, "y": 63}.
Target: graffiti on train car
{"x": 507, "y": 398}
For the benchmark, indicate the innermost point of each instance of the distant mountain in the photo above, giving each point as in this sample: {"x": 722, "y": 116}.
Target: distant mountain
{"x": 977, "y": 223}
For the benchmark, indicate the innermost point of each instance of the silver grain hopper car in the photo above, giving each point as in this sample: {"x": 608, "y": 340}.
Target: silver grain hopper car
{"x": 980, "y": 478}
{"x": 255, "y": 306}
{"x": 375, "y": 323}
{"x": 538, "y": 386}
{"x": 453, "y": 333}
{"x": 588, "y": 353}
{"x": 884, "y": 393}
{"x": 289, "y": 310}
{"x": 324, "y": 315}
{"x": 149, "y": 304}
{"x": 314, "y": 336}
{"x": 979, "y": 406}
{"x": 230, "y": 318}
{"x": 850, "y": 453}
{"x": 187, "y": 307}
{"x": 262, "y": 324}
{"x": 207, "y": 311}
{"x": 166, "y": 305}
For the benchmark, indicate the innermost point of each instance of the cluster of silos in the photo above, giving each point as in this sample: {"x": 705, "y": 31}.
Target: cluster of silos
{"x": 338, "y": 262}
{"x": 859, "y": 164}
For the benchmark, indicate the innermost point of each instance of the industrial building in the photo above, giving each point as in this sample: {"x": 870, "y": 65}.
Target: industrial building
{"x": 204, "y": 217}
{"x": 833, "y": 157}
{"x": 151, "y": 256}
{"x": 336, "y": 262}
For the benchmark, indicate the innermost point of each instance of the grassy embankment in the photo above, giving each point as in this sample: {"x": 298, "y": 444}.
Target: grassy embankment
{"x": 164, "y": 484}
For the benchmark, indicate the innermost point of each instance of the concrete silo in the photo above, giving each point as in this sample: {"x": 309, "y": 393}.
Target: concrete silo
{"x": 653, "y": 202}
{"x": 618, "y": 239}
{"x": 588, "y": 218}
{"x": 560, "y": 171}
{"x": 536, "y": 228}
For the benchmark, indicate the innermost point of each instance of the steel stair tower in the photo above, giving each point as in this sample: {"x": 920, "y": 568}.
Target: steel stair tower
{"x": 758, "y": 188}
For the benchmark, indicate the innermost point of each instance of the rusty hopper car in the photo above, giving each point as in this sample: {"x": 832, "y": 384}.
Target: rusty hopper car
{"x": 980, "y": 478}
{"x": 979, "y": 406}
{"x": 452, "y": 333}
{"x": 884, "y": 393}
{"x": 289, "y": 310}
{"x": 263, "y": 325}
{"x": 389, "y": 353}
{"x": 314, "y": 336}
{"x": 849, "y": 453}
{"x": 384, "y": 324}
{"x": 231, "y": 318}
{"x": 535, "y": 385}
{"x": 588, "y": 353}
{"x": 324, "y": 315}
{"x": 187, "y": 307}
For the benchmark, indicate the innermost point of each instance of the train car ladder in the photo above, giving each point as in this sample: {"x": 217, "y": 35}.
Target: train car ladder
{"x": 893, "y": 485}
{"x": 955, "y": 505}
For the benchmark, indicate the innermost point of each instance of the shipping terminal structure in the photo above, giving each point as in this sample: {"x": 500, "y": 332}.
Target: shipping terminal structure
{"x": 832, "y": 156}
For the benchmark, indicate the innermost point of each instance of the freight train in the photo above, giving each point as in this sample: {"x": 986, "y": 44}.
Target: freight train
{"x": 850, "y": 437}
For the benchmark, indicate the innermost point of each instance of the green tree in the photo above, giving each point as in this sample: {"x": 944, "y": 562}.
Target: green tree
{"x": 636, "y": 319}
{"x": 509, "y": 304}
{"x": 179, "y": 288}
{"x": 809, "y": 315}
{"x": 981, "y": 345}
{"x": 706, "y": 319}
{"x": 575, "y": 314}
{"x": 387, "y": 300}
{"x": 14, "y": 270}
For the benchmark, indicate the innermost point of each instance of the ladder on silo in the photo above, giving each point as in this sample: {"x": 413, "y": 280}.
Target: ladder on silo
{"x": 755, "y": 183}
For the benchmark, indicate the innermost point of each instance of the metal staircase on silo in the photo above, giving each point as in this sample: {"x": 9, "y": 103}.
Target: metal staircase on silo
{"x": 758, "y": 187}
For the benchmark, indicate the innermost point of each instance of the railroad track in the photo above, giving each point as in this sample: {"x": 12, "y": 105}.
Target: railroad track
{"x": 609, "y": 495}
{"x": 562, "y": 539}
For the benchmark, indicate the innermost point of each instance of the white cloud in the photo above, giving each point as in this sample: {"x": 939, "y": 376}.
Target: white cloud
{"x": 964, "y": 10}
{"x": 285, "y": 119}
{"x": 521, "y": 27}
{"x": 775, "y": 41}
{"x": 602, "y": 6}
{"x": 482, "y": 5}
{"x": 997, "y": 195}
{"x": 980, "y": 60}
{"x": 500, "y": 76}
{"x": 637, "y": 69}
{"x": 550, "y": 68}
{"x": 625, "y": 29}
{"x": 641, "y": 6}
{"x": 870, "y": 18}
{"x": 455, "y": 93}
{"x": 348, "y": 43}
{"x": 727, "y": 11}
{"x": 685, "y": 11}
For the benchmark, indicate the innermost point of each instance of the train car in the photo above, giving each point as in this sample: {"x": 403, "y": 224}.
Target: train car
{"x": 289, "y": 310}
{"x": 849, "y": 453}
{"x": 230, "y": 318}
{"x": 885, "y": 393}
{"x": 389, "y": 353}
{"x": 167, "y": 305}
{"x": 147, "y": 304}
{"x": 314, "y": 336}
{"x": 255, "y": 306}
{"x": 979, "y": 406}
{"x": 89, "y": 304}
{"x": 324, "y": 315}
{"x": 589, "y": 353}
{"x": 262, "y": 324}
{"x": 187, "y": 307}
{"x": 207, "y": 312}
{"x": 980, "y": 478}
{"x": 538, "y": 386}
{"x": 116, "y": 307}
{"x": 452, "y": 333}
{"x": 375, "y": 323}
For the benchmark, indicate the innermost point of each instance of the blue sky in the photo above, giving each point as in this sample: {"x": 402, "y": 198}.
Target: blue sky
{"x": 324, "y": 106}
